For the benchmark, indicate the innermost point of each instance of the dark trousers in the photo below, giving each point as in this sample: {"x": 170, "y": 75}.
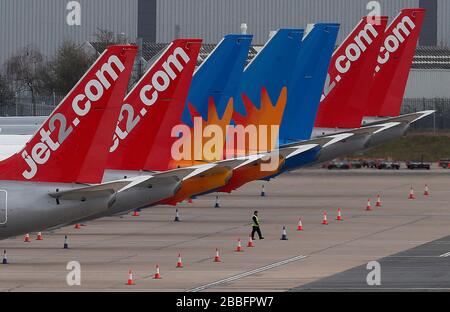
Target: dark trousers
{"x": 257, "y": 230}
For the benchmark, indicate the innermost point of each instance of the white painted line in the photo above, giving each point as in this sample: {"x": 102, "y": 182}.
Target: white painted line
{"x": 445, "y": 255}
{"x": 245, "y": 274}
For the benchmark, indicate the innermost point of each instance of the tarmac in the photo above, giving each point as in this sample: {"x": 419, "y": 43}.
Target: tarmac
{"x": 321, "y": 257}
{"x": 423, "y": 268}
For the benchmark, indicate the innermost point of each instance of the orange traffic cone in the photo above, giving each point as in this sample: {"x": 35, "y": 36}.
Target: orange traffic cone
{"x": 369, "y": 205}
{"x": 339, "y": 216}
{"x": 39, "y": 236}
{"x": 324, "y": 220}
{"x": 77, "y": 226}
{"x": 427, "y": 191}
{"x": 300, "y": 225}
{"x": 217, "y": 257}
{"x": 250, "y": 242}
{"x": 130, "y": 278}
{"x": 239, "y": 246}
{"x": 26, "y": 239}
{"x": 179, "y": 263}
{"x": 378, "y": 204}
{"x": 135, "y": 213}
{"x": 411, "y": 193}
{"x": 157, "y": 274}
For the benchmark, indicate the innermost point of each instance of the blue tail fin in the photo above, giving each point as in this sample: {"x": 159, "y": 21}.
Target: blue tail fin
{"x": 218, "y": 77}
{"x": 270, "y": 69}
{"x": 305, "y": 88}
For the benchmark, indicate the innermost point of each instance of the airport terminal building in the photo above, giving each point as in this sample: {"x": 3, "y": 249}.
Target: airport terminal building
{"x": 45, "y": 24}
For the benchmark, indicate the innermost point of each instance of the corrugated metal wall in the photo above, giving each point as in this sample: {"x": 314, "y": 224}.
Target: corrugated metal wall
{"x": 211, "y": 19}
{"x": 428, "y": 84}
{"x": 443, "y": 26}
{"x": 43, "y": 22}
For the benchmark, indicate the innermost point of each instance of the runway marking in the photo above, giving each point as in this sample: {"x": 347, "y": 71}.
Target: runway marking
{"x": 410, "y": 257}
{"x": 445, "y": 255}
{"x": 245, "y": 274}
{"x": 369, "y": 289}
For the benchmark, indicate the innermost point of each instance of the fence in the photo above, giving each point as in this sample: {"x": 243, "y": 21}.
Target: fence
{"x": 440, "y": 121}
{"x": 22, "y": 106}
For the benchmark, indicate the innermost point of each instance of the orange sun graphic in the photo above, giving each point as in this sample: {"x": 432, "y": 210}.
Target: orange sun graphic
{"x": 268, "y": 116}
{"x": 213, "y": 119}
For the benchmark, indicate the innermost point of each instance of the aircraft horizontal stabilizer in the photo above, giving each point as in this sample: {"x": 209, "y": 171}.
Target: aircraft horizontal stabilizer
{"x": 238, "y": 162}
{"x": 297, "y": 149}
{"x": 408, "y": 118}
{"x": 94, "y": 191}
{"x": 185, "y": 173}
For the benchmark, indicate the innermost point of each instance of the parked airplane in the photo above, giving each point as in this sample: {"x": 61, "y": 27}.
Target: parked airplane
{"x": 161, "y": 90}
{"x": 68, "y": 150}
{"x": 375, "y": 133}
{"x": 294, "y": 150}
{"x": 151, "y": 106}
{"x": 300, "y": 81}
{"x": 278, "y": 53}
{"x": 146, "y": 145}
{"x": 387, "y": 88}
{"x": 349, "y": 80}
{"x": 354, "y": 140}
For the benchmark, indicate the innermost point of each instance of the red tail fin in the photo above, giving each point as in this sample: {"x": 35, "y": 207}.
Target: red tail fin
{"x": 394, "y": 64}
{"x": 72, "y": 144}
{"x": 347, "y": 89}
{"x": 153, "y": 107}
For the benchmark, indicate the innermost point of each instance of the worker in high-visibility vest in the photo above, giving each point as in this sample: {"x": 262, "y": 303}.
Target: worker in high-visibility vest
{"x": 256, "y": 226}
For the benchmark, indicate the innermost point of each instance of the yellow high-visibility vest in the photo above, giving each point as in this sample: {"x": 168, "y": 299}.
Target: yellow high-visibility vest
{"x": 257, "y": 221}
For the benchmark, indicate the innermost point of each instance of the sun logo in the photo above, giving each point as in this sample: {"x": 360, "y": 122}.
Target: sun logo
{"x": 206, "y": 137}
{"x": 266, "y": 119}
{"x": 216, "y": 138}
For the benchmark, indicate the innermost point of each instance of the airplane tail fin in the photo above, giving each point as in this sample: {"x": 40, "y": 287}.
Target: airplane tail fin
{"x": 218, "y": 77}
{"x": 394, "y": 64}
{"x": 152, "y": 108}
{"x": 72, "y": 144}
{"x": 305, "y": 89}
{"x": 271, "y": 70}
{"x": 346, "y": 90}
{"x": 261, "y": 99}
